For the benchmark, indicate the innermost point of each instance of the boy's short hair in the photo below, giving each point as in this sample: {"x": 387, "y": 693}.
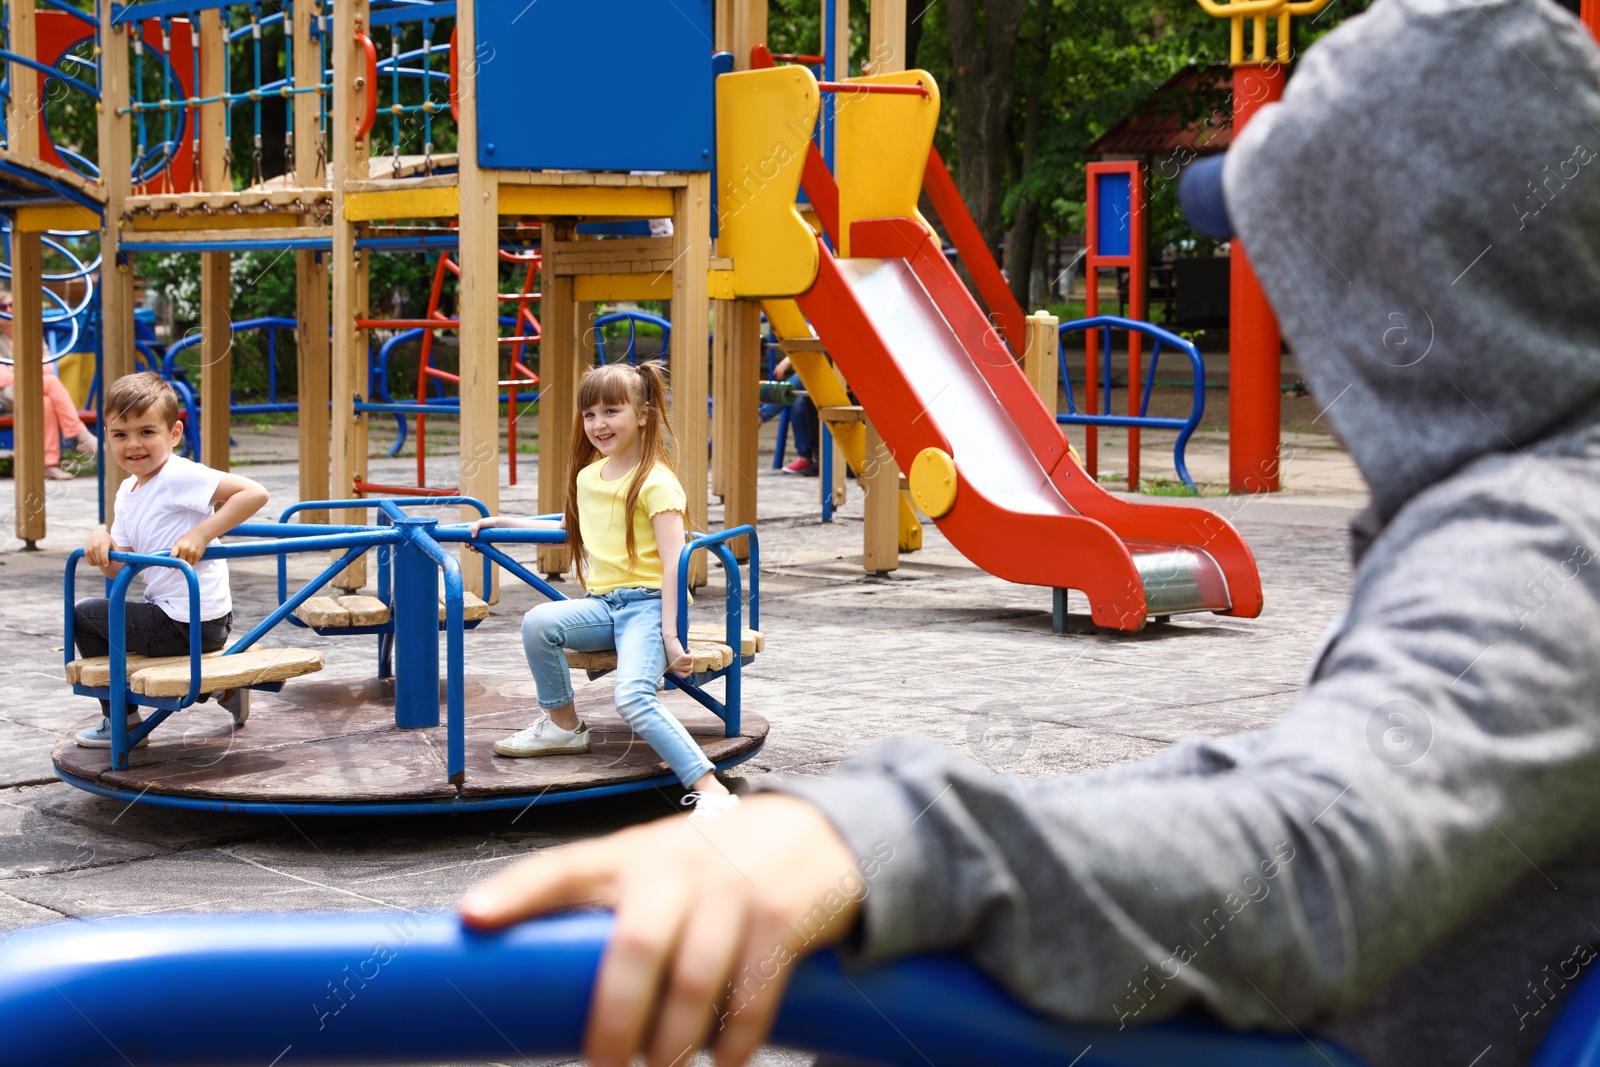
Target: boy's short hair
{"x": 134, "y": 394}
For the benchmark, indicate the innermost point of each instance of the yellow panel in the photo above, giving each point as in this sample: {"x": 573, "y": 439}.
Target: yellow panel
{"x": 194, "y": 220}
{"x": 764, "y": 124}
{"x": 438, "y": 202}
{"x": 56, "y": 217}
{"x": 632, "y": 202}
{"x": 598, "y": 287}
{"x": 881, "y": 150}
{"x": 720, "y": 285}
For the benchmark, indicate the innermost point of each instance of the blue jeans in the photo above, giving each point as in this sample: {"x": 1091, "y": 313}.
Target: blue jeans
{"x": 628, "y": 620}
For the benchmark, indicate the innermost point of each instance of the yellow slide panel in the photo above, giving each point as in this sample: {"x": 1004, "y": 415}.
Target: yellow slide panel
{"x": 881, "y": 150}
{"x": 827, "y": 390}
{"x": 764, "y": 124}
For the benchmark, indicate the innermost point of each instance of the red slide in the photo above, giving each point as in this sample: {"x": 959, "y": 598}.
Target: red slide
{"x": 932, "y": 372}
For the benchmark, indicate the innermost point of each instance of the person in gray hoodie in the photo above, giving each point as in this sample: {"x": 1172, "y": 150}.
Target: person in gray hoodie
{"x": 1408, "y": 861}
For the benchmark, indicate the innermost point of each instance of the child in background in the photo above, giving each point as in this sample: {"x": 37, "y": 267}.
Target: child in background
{"x": 625, "y": 523}
{"x": 168, "y": 503}
{"x": 61, "y": 418}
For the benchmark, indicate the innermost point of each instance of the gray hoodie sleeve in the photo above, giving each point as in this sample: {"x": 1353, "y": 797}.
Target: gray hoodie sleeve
{"x": 1447, "y": 745}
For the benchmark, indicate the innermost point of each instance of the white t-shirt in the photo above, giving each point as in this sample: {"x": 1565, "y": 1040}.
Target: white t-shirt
{"x": 153, "y": 516}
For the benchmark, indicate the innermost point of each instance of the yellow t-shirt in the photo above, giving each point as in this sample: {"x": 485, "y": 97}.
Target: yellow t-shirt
{"x": 605, "y": 537}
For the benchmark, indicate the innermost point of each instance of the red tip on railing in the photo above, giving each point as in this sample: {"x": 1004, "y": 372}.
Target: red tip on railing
{"x": 371, "y": 118}
{"x": 760, "y": 58}
{"x": 873, "y": 87}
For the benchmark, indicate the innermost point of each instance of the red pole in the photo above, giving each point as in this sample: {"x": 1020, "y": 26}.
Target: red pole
{"x": 1590, "y": 14}
{"x": 1255, "y": 350}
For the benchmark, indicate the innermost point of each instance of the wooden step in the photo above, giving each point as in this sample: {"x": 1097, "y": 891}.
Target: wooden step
{"x": 750, "y": 641}
{"x": 473, "y": 608}
{"x": 343, "y": 612}
{"x": 707, "y": 657}
{"x": 364, "y": 610}
{"x": 168, "y": 676}
{"x": 841, "y": 413}
{"x": 800, "y": 344}
{"x": 95, "y": 671}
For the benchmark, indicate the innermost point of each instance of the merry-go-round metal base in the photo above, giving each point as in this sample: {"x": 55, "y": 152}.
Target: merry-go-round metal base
{"x": 330, "y": 747}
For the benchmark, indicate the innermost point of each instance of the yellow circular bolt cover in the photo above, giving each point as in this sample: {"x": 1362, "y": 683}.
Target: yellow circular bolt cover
{"x": 933, "y": 482}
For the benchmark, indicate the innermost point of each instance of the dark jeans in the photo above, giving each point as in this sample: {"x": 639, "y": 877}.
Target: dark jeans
{"x": 151, "y": 631}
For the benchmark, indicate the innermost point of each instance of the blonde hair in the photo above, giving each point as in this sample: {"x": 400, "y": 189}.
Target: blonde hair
{"x": 645, "y": 387}
{"x": 134, "y": 394}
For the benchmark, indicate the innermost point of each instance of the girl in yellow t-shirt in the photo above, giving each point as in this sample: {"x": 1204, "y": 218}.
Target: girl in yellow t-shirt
{"x": 625, "y": 523}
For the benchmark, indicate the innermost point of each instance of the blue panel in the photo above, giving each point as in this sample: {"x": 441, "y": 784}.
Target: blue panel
{"x": 1114, "y": 218}
{"x": 595, "y": 85}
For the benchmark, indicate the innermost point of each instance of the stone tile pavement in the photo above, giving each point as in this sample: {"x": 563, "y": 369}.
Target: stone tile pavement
{"x": 937, "y": 648}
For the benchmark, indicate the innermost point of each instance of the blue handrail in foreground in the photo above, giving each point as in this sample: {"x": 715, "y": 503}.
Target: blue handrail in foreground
{"x": 1143, "y": 420}
{"x": 408, "y": 987}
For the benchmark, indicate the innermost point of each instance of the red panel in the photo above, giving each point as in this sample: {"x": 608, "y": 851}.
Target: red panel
{"x": 57, "y": 32}
{"x": 1047, "y": 550}
{"x": 974, "y": 251}
{"x": 822, "y": 191}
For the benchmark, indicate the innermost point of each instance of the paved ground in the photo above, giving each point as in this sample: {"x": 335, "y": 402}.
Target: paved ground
{"x": 938, "y": 648}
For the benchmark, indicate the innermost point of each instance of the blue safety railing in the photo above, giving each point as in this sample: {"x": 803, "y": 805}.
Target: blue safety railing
{"x": 246, "y": 982}
{"x": 633, "y": 319}
{"x": 175, "y": 372}
{"x": 1106, "y": 324}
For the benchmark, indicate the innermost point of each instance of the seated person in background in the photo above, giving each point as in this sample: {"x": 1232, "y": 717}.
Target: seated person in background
{"x": 802, "y": 420}
{"x": 1408, "y": 861}
{"x": 167, "y": 502}
{"x": 60, "y": 413}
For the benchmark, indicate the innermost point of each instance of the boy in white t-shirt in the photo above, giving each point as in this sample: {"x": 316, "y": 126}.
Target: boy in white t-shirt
{"x": 168, "y": 503}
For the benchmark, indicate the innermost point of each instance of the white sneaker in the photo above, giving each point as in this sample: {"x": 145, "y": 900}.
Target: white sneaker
{"x": 543, "y": 737}
{"x": 709, "y": 806}
{"x": 237, "y": 704}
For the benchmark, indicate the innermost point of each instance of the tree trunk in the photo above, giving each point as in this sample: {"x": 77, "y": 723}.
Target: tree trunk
{"x": 1026, "y": 221}
{"x": 983, "y": 45}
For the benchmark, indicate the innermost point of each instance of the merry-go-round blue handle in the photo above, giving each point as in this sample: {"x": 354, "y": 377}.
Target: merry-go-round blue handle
{"x": 405, "y": 987}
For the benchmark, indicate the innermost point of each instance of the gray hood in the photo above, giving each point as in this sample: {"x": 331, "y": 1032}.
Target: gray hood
{"x": 1430, "y": 242}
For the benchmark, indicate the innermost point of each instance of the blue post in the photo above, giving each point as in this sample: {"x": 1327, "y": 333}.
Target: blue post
{"x": 416, "y": 631}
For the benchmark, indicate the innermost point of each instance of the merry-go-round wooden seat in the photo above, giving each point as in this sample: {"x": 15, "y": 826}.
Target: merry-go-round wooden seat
{"x": 706, "y": 645}
{"x": 338, "y": 613}
{"x": 168, "y": 676}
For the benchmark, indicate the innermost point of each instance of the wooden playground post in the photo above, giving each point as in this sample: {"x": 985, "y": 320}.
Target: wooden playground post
{"x": 738, "y": 436}
{"x": 349, "y": 272}
{"x": 1040, "y": 358}
{"x": 888, "y": 32}
{"x": 216, "y": 284}
{"x": 311, "y": 285}
{"x": 116, "y": 276}
{"x": 27, "y": 302}
{"x": 736, "y": 347}
{"x": 880, "y": 503}
{"x": 27, "y": 353}
{"x": 691, "y": 248}
{"x": 478, "y": 306}
{"x": 558, "y": 387}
